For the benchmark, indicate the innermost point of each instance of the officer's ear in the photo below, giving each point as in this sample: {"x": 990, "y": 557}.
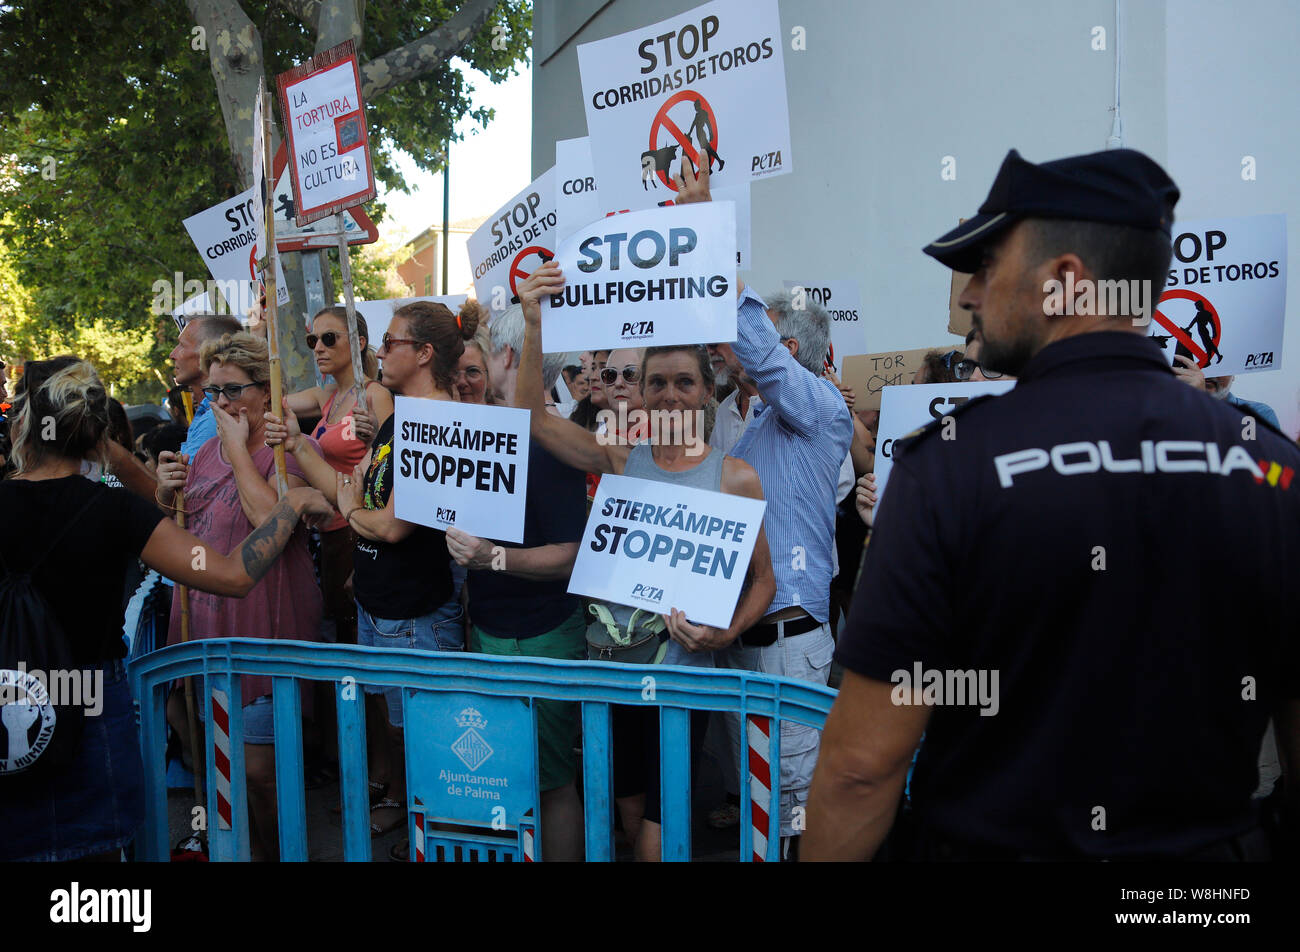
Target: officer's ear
{"x": 1073, "y": 279}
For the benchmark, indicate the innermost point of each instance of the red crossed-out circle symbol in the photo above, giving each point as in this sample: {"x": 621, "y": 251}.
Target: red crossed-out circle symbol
{"x": 1202, "y": 358}
{"x": 662, "y": 121}
{"x": 517, "y": 273}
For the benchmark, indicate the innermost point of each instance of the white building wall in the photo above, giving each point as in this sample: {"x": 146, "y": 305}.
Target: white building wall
{"x": 884, "y": 91}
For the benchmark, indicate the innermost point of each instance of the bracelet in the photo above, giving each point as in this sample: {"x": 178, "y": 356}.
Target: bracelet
{"x": 348, "y": 518}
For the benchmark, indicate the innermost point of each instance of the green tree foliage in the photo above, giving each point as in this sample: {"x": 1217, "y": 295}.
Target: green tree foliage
{"x": 113, "y": 134}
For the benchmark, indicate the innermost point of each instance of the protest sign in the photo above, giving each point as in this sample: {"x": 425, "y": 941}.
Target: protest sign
{"x": 328, "y": 143}
{"x": 869, "y": 374}
{"x": 708, "y": 84}
{"x": 843, "y": 302}
{"x": 259, "y": 176}
{"x": 516, "y": 238}
{"x": 379, "y": 314}
{"x": 290, "y": 236}
{"x": 226, "y": 235}
{"x": 1224, "y": 303}
{"x": 658, "y": 546}
{"x": 646, "y": 278}
{"x": 462, "y": 465}
{"x": 905, "y": 409}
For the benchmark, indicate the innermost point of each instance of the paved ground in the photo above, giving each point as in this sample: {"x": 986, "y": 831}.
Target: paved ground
{"x": 325, "y": 834}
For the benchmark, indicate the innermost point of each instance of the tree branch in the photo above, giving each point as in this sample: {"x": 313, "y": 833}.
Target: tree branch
{"x": 307, "y": 11}
{"x": 427, "y": 53}
{"x": 235, "y": 51}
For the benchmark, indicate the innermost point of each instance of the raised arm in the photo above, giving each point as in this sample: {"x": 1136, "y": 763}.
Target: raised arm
{"x": 320, "y": 474}
{"x": 190, "y": 561}
{"x": 564, "y": 439}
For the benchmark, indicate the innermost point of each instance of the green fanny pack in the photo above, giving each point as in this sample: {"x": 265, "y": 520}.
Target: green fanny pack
{"x": 626, "y": 634}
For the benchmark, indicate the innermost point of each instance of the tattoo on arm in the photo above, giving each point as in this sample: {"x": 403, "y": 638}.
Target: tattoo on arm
{"x": 265, "y": 543}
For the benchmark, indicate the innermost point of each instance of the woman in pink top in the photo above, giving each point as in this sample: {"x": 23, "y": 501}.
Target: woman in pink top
{"x": 230, "y": 487}
{"x": 344, "y": 439}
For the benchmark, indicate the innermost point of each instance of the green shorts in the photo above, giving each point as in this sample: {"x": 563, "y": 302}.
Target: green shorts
{"x": 557, "y": 721}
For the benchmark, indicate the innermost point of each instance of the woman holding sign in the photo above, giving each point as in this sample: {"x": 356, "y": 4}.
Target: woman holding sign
{"x": 680, "y": 379}
{"x": 401, "y": 570}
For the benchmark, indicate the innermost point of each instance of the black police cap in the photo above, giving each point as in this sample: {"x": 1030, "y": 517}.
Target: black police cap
{"x": 1118, "y": 187}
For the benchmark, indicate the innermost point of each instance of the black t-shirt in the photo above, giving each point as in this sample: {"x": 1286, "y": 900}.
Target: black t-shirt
{"x": 555, "y": 511}
{"x": 1113, "y": 544}
{"x": 83, "y": 575}
{"x": 406, "y": 579}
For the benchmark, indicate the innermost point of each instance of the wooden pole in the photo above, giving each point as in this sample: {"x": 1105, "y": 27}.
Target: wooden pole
{"x": 354, "y": 340}
{"x": 268, "y": 279}
{"x": 183, "y": 593}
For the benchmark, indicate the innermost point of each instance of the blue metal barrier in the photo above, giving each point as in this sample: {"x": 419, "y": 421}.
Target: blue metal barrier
{"x": 460, "y": 710}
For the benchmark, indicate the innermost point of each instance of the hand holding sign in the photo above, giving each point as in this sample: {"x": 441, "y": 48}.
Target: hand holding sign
{"x": 695, "y": 637}
{"x": 692, "y": 186}
{"x": 543, "y": 282}
{"x": 468, "y": 550}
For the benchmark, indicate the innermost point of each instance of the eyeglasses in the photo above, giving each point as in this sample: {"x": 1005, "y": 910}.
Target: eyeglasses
{"x": 329, "y": 339}
{"x": 231, "y": 390}
{"x": 389, "y": 341}
{"x": 631, "y": 373}
{"x": 966, "y": 368}
{"x": 470, "y": 373}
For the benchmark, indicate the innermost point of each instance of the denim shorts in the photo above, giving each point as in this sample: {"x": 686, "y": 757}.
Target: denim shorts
{"x": 94, "y": 805}
{"x": 440, "y": 630}
{"x": 259, "y": 716}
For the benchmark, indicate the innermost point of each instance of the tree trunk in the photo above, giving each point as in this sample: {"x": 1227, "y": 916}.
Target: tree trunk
{"x": 235, "y": 51}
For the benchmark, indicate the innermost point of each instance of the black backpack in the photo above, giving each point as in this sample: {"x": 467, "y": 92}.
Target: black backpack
{"x": 37, "y": 738}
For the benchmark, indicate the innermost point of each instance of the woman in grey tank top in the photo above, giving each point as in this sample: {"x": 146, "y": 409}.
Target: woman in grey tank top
{"x": 675, "y": 382}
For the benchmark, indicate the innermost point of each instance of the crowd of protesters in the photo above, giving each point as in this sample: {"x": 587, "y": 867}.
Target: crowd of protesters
{"x": 760, "y": 417}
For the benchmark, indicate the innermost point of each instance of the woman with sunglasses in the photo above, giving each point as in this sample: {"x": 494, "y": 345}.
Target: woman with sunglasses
{"x": 675, "y": 381}
{"x": 230, "y": 487}
{"x": 401, "y": 571}
{"x": 344, "y": 438}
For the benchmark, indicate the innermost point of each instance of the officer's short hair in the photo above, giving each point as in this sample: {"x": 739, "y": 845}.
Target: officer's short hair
{"x": 1111, "y": 252}
{"x": 810, "y": 325}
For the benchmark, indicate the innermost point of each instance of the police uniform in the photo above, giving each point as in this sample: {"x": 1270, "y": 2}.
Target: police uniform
{"x": 1115, "y": 555}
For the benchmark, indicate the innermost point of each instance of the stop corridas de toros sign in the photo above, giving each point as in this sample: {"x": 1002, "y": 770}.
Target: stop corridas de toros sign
{"x": 329, "y": 147}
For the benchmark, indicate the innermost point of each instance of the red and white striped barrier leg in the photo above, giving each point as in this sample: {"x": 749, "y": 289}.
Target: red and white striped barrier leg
{"x": 759, "y": 731}
{"x": 419, "y": 837}
{"x": 221, "y": 758}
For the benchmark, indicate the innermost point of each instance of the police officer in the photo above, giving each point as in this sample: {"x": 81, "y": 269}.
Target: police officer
{"x": 1085, "y": 598}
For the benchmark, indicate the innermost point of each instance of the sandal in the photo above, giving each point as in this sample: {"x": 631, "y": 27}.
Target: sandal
{"x": 387, "y": 804}
{"x": 378, "y": 790}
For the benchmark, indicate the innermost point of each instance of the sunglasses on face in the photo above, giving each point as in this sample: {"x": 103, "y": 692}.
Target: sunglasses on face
{"x": 390, "y": 340}
{"x": 965, "y": 369}
{"x": 329, "y": 339}
{"x": 631, "y": 373}
{"x": 231, "y": 390}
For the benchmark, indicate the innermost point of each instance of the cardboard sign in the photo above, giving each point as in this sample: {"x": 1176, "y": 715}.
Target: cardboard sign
{"x": 959, "y": 319}
{"x": 226, "y": 236}
{"x": 843, "y": 302}
{"x": 869, "y": 374}
{"x": 651, "y": 277}
{"x": 708, "y": 84}
{"x": 515, "y": 239}
{"x": 657, "y": 546}
{"x": 329, "y": 145}
{"x": 462, "y": 465}
{"x": 379, "y": 314}
{"x": 904, "y": 409}
{"x": 1224, "y": 303}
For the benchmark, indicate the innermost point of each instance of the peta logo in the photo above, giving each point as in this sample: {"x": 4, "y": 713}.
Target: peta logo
{"x": 1260, "y": 360}
{"x": 766, "y": 163}
{"x": 447, "y": 515}
{"x": 1156, "y": 456}
{"x": 648, "y": 592}
{"x": 635, "y": 330}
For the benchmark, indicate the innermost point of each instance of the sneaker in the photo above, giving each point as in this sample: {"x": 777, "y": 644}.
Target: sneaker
{"x": 725, "y": 816}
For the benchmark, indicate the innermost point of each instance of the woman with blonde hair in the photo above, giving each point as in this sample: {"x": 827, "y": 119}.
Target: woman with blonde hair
{"x": 229, "y": 487}
{"x": 83, "y": 536}
{"x": 472, "y": 379}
